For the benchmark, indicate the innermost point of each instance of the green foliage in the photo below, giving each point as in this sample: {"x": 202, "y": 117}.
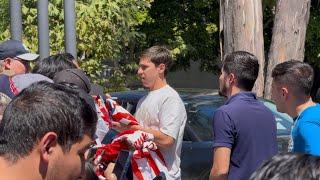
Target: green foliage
{"x": 116, "y": 81}
{"x": 113, "y": 32}
{"x": 268, "y": 20}
{"x": 312, "y": 46}
{"x": 4, "y": 18}
{"x": 105, "y": 29}
{"x": 268, "y": 3}
{"x": 190, "y": 28}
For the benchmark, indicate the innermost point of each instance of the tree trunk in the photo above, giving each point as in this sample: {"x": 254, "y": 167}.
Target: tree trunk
{"x": 288, "y": 35}
{"x": 241, "y": 29}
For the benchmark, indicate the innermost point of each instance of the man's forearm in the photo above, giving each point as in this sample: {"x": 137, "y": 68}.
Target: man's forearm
{"x": 221, "y": 162}
{"x": 160, "y": 138}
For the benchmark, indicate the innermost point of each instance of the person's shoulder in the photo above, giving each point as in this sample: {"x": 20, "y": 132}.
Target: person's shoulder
{"x": 142, "y": 99}
{"x": 311, "y": 114}
{"x": 231, "y": 107}
{"x": 168, "y": 92}
{"x": 222, "y": 117}
{"x": 4, "y": 76}
{"x": 5, "y": 85}
{"x": 224, "y": 109}
{"x": 238, "y": 107}
{"x": 263, "y": 107}
{"x": 174, "y": 91}
{"x": 316, "y": 108}
{"x": 312, "y": 110}
{"x": 4, "y": 80}
{"x": 261, "y": 111}
{"x": 170, "y": 89}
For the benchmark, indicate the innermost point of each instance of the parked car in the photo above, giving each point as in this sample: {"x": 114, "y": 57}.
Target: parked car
{"x": 196, "y": 155}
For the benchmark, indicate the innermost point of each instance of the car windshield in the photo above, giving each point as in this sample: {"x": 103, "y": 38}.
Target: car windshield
{"x": 201, "y": 109}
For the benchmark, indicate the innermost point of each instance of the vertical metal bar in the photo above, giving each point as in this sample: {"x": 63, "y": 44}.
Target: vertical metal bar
{"x": 69, "y": 27}
{"x": 15, "y": 19}
{"x": 43, "y": 28}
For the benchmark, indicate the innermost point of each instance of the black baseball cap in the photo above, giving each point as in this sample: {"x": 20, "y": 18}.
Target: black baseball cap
{"x": 13, "y": 48}
{"x": 73, "y": 76}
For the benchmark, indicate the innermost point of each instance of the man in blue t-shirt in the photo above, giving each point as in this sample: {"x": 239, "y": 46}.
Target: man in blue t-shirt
{"x": 291, "y": 87}
{"x": 245, "y": 132}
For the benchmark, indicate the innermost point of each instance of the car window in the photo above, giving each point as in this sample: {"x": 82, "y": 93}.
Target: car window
{"x": 200, "y": 122}
{"x": 201, "y": 111}
{"x": 284, "y": 121}
{"x": 200, "y": 115}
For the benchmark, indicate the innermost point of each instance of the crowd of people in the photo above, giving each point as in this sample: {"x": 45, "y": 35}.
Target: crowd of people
{"x": 51, "y": 118}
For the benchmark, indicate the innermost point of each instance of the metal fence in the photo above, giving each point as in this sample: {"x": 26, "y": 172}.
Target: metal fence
{"x": 43, "y": 25}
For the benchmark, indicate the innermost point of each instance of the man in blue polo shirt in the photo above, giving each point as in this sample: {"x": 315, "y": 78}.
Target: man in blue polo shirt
{"x": 244, "y": 129}
{"x": 291, "y": 87}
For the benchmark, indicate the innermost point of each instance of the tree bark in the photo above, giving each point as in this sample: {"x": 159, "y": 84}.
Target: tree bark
{"x": 288, "y": 35}
{"x": 241, "y": 29}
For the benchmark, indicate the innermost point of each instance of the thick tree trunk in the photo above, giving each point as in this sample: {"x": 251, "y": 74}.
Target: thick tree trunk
{"x": 241, "y": 29}
{"x": 288, "y": 36}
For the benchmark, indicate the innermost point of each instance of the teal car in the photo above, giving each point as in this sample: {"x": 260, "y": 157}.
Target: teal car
{"x": 196, "y": 155}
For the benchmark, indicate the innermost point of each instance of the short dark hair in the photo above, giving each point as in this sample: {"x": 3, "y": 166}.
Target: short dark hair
{"x": 69, "y": 56}
{"x": 244, "y": 66}
{"x": 55, "y": 63}
{"x": 44, "y": 107}
{"x": 158, "y": 55}
{"x": 296, "y": 74}
{"x": 289, "y": 166}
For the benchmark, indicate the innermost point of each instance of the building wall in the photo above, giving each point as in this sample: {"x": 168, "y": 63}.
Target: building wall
{"x": 193, "y": 78}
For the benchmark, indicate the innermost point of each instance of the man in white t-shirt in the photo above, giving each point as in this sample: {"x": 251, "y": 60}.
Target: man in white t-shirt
{"x": 161, "y": 112}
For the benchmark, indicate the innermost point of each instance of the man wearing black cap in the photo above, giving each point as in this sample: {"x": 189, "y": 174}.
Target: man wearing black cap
{"x": 15, "y": 58}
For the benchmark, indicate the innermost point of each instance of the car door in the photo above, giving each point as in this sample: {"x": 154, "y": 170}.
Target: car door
{"x": 196, "y": 155}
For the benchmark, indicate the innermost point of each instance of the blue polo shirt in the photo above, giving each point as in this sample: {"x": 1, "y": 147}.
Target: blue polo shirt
{"x": 248, "y": 128}
{"x": 306, "y": 131}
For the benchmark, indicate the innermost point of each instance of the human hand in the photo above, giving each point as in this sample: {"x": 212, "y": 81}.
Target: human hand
{"x": 138, "y": 138}
{"x": 149, "y": 145}
{"x": 119, "y": 126}
{"x": 108, "y": 172}
{"x": 108, "y": 96}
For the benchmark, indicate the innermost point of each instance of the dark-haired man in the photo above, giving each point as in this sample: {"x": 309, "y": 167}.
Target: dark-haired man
{"x": 291, "y": 88}
{"x": 244, "y": 129}
{"x": 44, "y": 134}
{"x": 161, "y": 112}
{"x": 289, "y": 166}
{"x": 53, "y": 64}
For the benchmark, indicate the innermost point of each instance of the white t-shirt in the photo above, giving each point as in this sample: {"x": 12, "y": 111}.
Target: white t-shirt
{"x": 163, "y": 110}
